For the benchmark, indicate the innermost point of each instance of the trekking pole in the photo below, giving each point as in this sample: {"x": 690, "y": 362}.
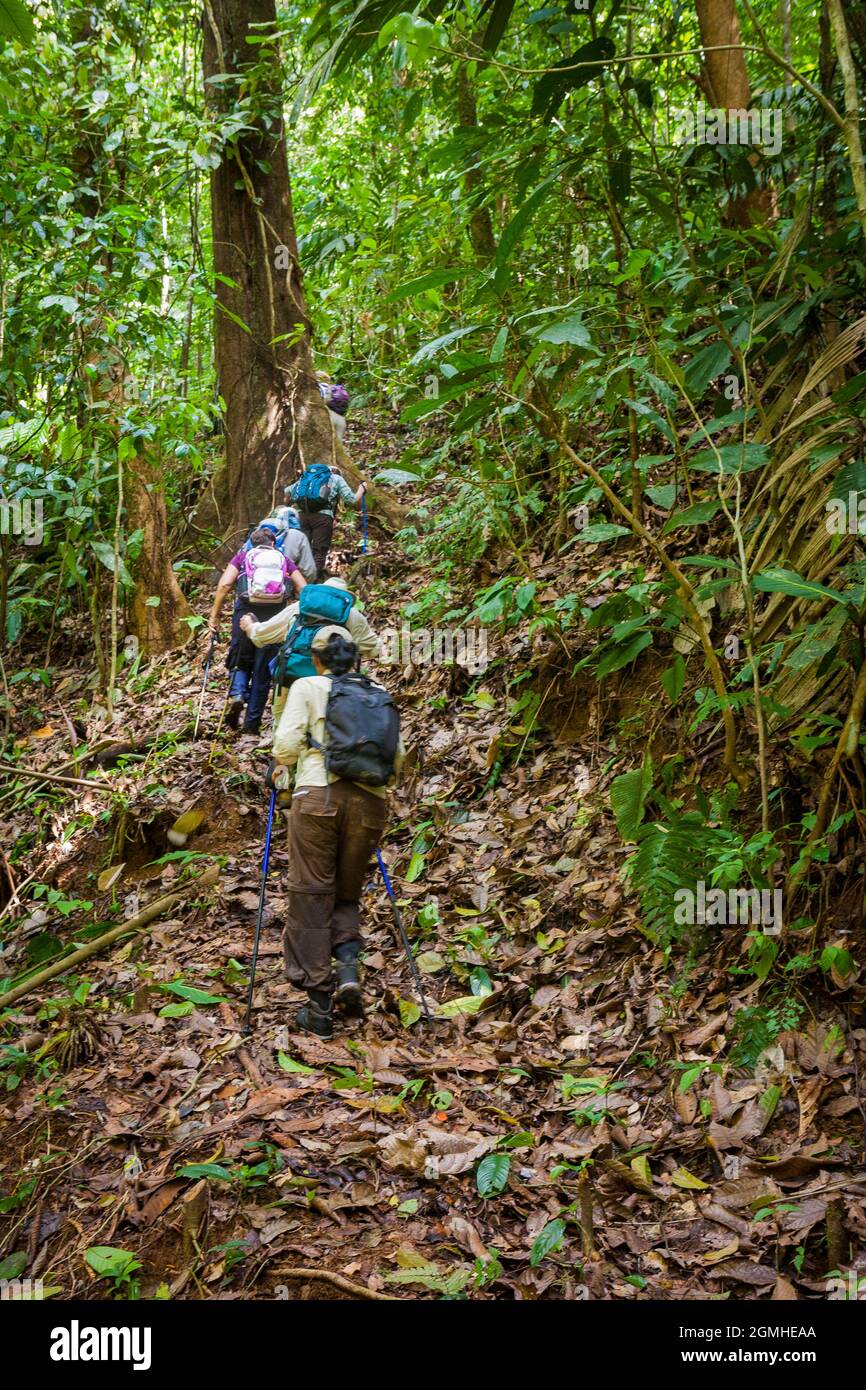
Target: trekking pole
{"x": 403, "y": 937}
{"x": 260, "y": 912}
{"x": 364, "y": 520}
{"x": 207, "y": 662}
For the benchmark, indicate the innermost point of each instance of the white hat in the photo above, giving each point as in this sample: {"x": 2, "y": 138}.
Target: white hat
{"x": 324, "y": 635}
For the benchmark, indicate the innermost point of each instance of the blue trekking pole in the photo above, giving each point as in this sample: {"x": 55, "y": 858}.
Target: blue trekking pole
{"x": 364, "y": 520}
{"x": 403, "y": 937}
{"x": 261, "y": 910}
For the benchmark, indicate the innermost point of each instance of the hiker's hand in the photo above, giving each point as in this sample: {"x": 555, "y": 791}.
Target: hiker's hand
{"x": 213, "y": 628}
{"x": 277, "y": 780}
{"x": 247, "y": 623}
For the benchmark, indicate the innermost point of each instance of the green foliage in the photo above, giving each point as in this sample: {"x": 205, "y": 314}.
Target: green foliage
{"x": 757, "y": 1026}
{"x": 118, "y": 1266}
{"x": 491, "y": 1175}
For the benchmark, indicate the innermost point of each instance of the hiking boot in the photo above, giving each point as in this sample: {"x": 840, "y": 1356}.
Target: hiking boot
{"x": 348, "y": 992}
{"x": 255, "y": 727}
{"x": 311, "y": 1019}
{"x": 233, "y": 717}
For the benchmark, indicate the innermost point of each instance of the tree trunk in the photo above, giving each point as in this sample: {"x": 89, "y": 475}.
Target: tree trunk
{"x": 275, "y": 419}
{"x": 725, "y": 80}
{"x": 480, "y": 224}
{"x": 158, "y": 628}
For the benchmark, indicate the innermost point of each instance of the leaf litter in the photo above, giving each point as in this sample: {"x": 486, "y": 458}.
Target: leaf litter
{"x": 637, "y": 1161}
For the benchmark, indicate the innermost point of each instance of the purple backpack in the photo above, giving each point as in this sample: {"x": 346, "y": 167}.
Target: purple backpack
{"x": 338, "y": 399}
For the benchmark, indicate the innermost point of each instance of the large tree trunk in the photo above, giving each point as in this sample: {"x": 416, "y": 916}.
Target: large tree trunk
{"x": 725, "y": 80}
{"x": 275, "y": 419}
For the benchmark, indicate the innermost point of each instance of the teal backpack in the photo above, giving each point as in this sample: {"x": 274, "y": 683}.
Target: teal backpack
{"x": 319, "y": 605}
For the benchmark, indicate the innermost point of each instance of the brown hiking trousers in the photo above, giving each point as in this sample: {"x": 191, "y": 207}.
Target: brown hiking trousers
{"x": 333, "y": 832}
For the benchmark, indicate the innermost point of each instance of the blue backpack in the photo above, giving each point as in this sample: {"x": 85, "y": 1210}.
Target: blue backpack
{"x": 313, "y": 492}
{"x": 319, "y": 605}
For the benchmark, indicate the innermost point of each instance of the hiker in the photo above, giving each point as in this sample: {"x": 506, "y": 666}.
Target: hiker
{"x": 340, "y": 734}
{"x": 275, "y": 629}
{"x": 293, "y": 542}
{"x": 336, "y": 398}
{"x": 262, "y": 574}
{"x": 316, "y": 495}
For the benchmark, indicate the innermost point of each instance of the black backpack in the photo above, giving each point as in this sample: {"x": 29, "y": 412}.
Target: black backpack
{"x": 362, "y": 730}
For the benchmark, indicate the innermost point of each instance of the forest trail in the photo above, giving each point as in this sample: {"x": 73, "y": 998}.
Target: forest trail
{"x": 560, "y": 1131}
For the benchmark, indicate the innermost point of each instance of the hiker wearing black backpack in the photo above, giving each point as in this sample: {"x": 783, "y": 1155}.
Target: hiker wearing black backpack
{"x": 317, "y": 494}
{"x": 295, "y": 626}
{"x": 262, "y": 575}
{"x": 339, "y": 733}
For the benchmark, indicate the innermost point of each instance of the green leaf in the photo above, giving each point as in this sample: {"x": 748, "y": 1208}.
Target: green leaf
{"x": 105, "y": 555}
{"x": 205, "y": 1170}
{"x": 465, "y": 1004}
{"x": 690, "y": 1076}
{"x": 674, "y": 678}
{"x": 707, "y": 364}
{"x": 697, "y": 515}
{"x": 110, "y": 1263}
{"x": 397, "y": 477}
{"x": 432, "y": 280}
{"x": 428, "y": 916}
{"x": 177, "y": 1011}
{"x": 289, "y": 1064}
{"x": 547, "y": 1241}
{"x": 14, "y": 1265}
{"x": 195, "y": 996}
{"x": 599, "y": 531}
{"x": 622, "y": 656}
{"x": 67, "y": 302}
{"x": 771, "y": 581}
{"x": 415, "y": 869}
{"x": 409, "y": 1012}
{"x": 571, "y": 330}
{"x": 522, "y": 1140}
{"x": 628, "y": 793}
{"x": 664, "y": 496}
{"x": 516, "y": 227}
{"x": 16, "y": 21}
{"x": 427, "y": 406}
{"x": 491, "y": 1175}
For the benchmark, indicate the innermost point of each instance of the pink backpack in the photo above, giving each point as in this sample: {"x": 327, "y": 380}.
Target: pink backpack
{"x": 265, "y": 571}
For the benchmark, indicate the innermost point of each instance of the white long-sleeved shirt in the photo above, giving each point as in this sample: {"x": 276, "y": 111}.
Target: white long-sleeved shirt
{"x": 297, "y": 547}
{"x": 275, "y": 629}
{"x": 303, "y": 714}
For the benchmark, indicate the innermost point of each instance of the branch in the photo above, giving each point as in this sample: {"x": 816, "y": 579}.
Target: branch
{"x": 338, "y": 1280}
{"x": 146, "y": 918}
